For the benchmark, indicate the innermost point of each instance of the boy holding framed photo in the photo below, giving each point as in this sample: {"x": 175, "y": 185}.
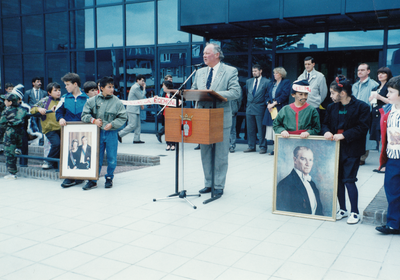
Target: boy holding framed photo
{"x": 107, "y": 112}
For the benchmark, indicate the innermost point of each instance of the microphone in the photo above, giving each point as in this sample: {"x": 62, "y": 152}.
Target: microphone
{"x": 197, "y": 65}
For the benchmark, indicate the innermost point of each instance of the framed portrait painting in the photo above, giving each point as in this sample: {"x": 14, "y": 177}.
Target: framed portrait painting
{"x": 305, "y": 177}
{"x": 79, "y": 155}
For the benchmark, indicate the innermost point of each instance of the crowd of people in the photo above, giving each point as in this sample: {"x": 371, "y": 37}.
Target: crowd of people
{"x": 359, "y": 114}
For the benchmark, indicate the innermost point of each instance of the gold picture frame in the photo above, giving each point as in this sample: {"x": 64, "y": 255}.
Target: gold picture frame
{"x": 290, "y": 195}
{"x": 79, "y": 151}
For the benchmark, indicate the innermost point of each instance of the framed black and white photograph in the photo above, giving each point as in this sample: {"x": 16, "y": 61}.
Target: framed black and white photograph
{"x": 79, "y": 155}
{"x": 305, "y": 177}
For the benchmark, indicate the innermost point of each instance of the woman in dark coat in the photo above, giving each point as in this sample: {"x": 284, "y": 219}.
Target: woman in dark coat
{"x": 73, "y": 155}
{"x": 277, "y": 96}
{"x": 377, "y": 100}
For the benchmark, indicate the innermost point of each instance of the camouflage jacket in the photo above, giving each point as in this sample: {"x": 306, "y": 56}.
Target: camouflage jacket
{"x": 13, "y": 117}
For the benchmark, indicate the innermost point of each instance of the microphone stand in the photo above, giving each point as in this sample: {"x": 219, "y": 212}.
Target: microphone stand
{"x": 180, "y": 194}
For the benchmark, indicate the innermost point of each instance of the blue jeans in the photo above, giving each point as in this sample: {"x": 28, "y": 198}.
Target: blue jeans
{"x": 54, "y": 138}
{"x": 108, "y": 143}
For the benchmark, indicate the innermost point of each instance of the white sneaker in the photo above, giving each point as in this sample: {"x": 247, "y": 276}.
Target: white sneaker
{"x": 354, "y": 218}
{"x": 341, "y": 214}
{"x": 46, "y": 165}
{"x": 10, "y": 177}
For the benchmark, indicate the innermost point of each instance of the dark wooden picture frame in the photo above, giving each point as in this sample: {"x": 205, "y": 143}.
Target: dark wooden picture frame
{"x": 77, "y": 160}
{"x": 290, "y": 196}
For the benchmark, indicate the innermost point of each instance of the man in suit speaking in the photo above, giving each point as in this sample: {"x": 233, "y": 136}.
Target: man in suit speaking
{"x": 224, "y": 80}
{"x": 297, "y": 192}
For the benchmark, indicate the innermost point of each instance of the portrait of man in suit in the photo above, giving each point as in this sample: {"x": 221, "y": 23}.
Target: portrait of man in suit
{"x": 297, "y": 192}
{"x": 85, "y": 154}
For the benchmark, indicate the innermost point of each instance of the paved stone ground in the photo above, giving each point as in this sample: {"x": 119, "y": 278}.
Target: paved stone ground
{"x": 47, "y": 232}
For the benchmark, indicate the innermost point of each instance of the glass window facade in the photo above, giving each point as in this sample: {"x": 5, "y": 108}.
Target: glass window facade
{"x": 355, "y": 38}
{"x": 53, "y": 5}
{"x": 394, "y": 37}
{"x": 11, "y": 35}
{"x": 13, "y": 64}
{"x": 125, "y": 38}
{"x": 83, "y": 63}
{"x": 109, "y": 27}
{"x": 31, "y": 7}
{"x": 10, "y": 7}
{"x": 56, "y": 31}
{"x": 300, "y": 42}
{"x": 82, "y": 29}
{"x": 168, "y": 23}
{"x": 140, "y": 24}
{"x": 393, "y": 61}
{"x": 33, "y": 67}
{"x": 33, "y": 37}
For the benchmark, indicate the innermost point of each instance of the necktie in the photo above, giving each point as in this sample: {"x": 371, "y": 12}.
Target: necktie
{"x": 308, "y": 77}
{"x": 255, "y": 87}
{"x": 209, "y": 79}
{"x": 37, "y": 94}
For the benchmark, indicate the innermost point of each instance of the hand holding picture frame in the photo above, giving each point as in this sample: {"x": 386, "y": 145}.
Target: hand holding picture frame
{"x": 79, "y": 155}
{"x": 305, "y": 177}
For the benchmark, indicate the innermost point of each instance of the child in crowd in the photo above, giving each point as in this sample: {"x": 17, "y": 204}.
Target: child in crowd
{"x": 50, "y": 127}
{"x": 390, "y": 155}
{"x": 299, "y": 117}
{"x": 90, "y": 88}
{"x": 8, "y": 87}
{"x": 107, "y": 112}
{"x": 70, "y": 108}
{"x": 347, "y": 120}
{"x": 11, "y": 131}
{"x": 165, "y": 86}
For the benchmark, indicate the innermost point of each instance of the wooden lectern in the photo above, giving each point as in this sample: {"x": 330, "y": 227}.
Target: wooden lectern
{"x": 206, "y": 124}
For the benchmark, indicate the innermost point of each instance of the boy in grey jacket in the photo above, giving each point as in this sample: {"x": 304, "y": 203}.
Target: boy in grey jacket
{"x": 107, "y": 112}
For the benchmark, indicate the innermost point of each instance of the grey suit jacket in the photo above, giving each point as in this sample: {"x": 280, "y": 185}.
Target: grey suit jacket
{"x": 30, "y": 98}
{"x": 226, "y": 83}
{"x": 135, "y": 94}
{"x": 256, "y": 104}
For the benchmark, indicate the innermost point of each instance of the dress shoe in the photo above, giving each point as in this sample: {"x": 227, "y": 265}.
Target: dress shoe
{"x": 205, "y": 190}
{"x": 263, "y": 151}
{"x": 271, "y": 153}
{"x": 231, "y": 149}
{"x": 362, "y": 162}
{"x": 387, "y": 230}
{"x": 119, "y": 139}
{"x": 248, "y": 150}
{"x": 158, "y": 137}
{"x": 197, "y": 147}
{"x": 138, "y": 142}
{"x": 218, "y": 192}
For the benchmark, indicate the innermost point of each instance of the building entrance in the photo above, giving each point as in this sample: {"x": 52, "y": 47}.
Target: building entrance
{"x": 333, "y": 63}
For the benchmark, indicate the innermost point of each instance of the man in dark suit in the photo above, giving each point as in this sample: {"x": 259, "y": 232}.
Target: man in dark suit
{"x": 32, "y": 97}
{"x": 297, "y": 192}
{"x": 256, "y": 88}
{"x": 224, "y": 80}
{"x": 85, "y": 154}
